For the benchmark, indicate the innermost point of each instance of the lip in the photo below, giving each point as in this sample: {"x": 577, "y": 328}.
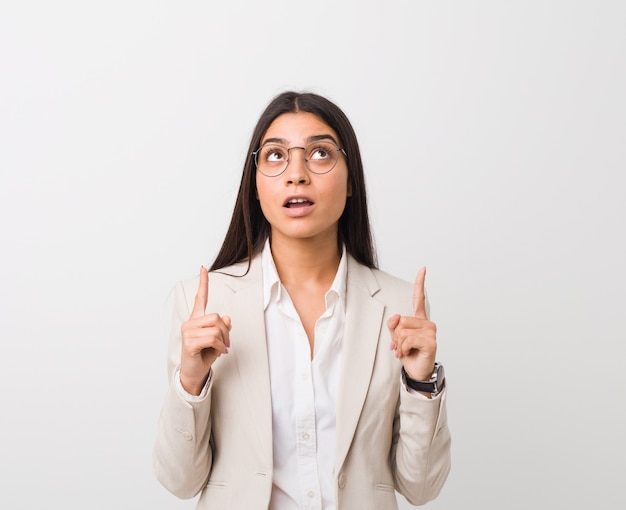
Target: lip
{"x": 304, "y": 207}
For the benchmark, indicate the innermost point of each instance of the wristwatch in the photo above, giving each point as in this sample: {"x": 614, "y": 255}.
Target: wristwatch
{"x": 434, "y": 385}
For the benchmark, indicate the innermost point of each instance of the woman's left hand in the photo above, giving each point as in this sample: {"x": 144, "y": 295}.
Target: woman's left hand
{"x": 414, "y": 339}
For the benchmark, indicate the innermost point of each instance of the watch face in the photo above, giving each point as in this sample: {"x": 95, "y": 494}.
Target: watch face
{"x": 440, "y": 374}
{"x": 441, "y": 378}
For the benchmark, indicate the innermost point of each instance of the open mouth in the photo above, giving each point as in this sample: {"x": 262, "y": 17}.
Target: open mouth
{"x": 298, "y": 202}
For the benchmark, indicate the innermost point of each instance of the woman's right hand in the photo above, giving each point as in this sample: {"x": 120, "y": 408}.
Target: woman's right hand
{"x": 205, "y": 338}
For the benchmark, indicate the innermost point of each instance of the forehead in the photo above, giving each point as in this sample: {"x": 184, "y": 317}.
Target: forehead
{"x": 297, "y": 127}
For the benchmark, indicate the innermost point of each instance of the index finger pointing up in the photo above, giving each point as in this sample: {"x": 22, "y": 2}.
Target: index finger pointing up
{"x": 202, "y": 296}
{"x": 419, "y": 298}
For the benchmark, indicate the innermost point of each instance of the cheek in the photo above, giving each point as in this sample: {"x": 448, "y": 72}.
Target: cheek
{"x": 337, "y": 196}
{"x": 264, "y": 196}
{"x": 342, "y": 189}
{"x": 262, "y": 192}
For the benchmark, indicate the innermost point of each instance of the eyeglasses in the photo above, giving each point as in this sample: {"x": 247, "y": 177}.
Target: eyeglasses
{"x": 320, "y": 157}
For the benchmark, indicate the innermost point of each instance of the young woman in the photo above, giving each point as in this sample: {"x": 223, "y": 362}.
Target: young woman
{"x": 301, "y": 375}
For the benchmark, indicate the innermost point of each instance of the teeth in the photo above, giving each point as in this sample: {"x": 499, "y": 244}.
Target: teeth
{"x": 297, "y": 200}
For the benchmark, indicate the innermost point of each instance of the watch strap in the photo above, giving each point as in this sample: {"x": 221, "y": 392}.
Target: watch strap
{"x": 434, "y": 386}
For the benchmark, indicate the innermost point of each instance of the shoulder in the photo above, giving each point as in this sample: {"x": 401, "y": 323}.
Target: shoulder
{"x": 376, "y": 279}
{"x": 226, "y": 280}
{"x": 388, "y": 280}
{"x": 381, "y": 285}
{"x": 394, "y": 291}
{"x": 393, "y": 288}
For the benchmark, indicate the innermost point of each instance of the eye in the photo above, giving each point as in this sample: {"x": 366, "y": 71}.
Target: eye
{"x": 274, "y": 153}
{"x": 320, "y": 151}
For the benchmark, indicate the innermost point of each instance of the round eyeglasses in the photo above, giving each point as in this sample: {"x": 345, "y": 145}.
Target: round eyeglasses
{"x": 320, "y": 157}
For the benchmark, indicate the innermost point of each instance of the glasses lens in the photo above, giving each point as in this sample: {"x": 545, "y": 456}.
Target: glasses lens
{"x": 272, "y": 159}
{"x": 321, "y": 157}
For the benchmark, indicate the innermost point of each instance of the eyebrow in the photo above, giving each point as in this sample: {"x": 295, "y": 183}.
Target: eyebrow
{"x": 309, "y": 140}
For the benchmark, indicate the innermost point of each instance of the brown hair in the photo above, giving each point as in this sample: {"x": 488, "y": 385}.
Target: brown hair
{"x": 249, "y": 229}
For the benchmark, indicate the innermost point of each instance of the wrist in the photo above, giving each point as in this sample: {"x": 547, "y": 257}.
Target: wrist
{"x": 432, "y": 385}
{"x": 193, "y": 386}
{"x": 419, "y": 375}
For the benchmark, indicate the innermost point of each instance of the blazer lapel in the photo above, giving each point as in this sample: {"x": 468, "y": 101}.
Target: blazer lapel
{"x": 364, "y": 316}
{"x": 249, "y": 348}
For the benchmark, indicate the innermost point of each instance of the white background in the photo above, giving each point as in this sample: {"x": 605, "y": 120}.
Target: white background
{"x": 493, "y": 135}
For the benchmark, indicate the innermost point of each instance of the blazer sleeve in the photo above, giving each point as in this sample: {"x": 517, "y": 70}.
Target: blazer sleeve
{"x": 421, "y": 447}
{"x": 421, "y": 441}
{"x": 182, "y": 453}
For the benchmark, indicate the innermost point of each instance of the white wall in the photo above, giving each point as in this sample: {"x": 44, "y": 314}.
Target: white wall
{"x": 493, "y": 135}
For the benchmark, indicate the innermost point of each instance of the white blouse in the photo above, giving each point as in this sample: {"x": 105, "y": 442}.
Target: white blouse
{"x": 304, "y": 392}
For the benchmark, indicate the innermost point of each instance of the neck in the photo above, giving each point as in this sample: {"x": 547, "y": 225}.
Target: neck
{"x": 300, "y": 260}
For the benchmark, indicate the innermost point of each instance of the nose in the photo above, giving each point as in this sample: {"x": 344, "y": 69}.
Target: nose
{"x": 296, "y": 171}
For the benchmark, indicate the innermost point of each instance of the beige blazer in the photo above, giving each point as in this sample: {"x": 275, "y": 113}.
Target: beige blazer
{"x": 221, "y": 447}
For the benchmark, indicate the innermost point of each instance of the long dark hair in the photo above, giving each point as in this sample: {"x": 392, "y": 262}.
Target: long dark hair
{"x": 249, "y": 229}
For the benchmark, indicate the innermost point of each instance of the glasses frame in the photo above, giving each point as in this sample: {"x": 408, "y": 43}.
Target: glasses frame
{"x": 306, "y": 161}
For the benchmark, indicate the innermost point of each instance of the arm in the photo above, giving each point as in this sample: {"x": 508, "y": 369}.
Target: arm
{"x": 421, "y": 447}
{"x": 183, "y": 451}
{"x": 421, "y": 439}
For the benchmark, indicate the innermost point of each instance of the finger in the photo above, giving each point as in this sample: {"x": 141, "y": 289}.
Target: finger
{"x": 199, "y": 339}
{"x": 208, "y": 325}
{"x": 423, "y": 340}
{"x": 419, "y": 297}
{"x": 205, "y": 345}
{"x": 229, "y": 325}
{"x": 202, "y": 296}
{"x": 227, "y": 321}
{"x": 410, "y": 345}
{"x": 224, "y": 326}
{"x": 392, "y": 324}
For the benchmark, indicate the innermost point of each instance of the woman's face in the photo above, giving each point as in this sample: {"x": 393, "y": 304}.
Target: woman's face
{"x": 299, "y": 203}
